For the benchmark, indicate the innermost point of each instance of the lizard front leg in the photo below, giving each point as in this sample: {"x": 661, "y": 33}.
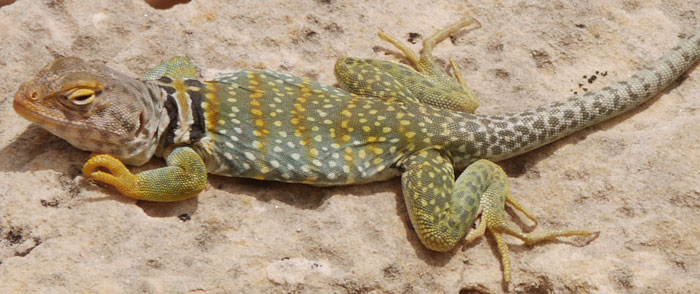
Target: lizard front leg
{"x": 184, "y": 177}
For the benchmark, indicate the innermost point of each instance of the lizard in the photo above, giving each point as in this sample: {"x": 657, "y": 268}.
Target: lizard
{"x": 384, "y": 120}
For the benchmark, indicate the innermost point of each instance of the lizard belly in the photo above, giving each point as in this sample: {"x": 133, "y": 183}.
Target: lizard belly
{"x": 245, "y": 159}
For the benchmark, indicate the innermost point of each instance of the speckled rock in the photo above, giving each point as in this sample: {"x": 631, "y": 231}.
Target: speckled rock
{"x": 635, "y": 178}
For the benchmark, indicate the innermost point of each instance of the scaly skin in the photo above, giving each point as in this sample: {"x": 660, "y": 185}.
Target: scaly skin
{"x": 388, "y": 120}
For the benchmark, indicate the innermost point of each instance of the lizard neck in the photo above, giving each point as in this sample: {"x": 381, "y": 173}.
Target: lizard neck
{"x": 180, "y": 114}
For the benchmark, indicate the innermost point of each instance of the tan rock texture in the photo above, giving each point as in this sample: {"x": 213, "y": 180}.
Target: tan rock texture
{"x": 635, "y": 178}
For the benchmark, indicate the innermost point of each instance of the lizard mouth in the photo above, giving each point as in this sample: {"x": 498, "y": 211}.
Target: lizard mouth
{"x": 28, "y": 113}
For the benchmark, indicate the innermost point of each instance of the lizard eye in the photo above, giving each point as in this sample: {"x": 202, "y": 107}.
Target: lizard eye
{"x": 81, "y": 96}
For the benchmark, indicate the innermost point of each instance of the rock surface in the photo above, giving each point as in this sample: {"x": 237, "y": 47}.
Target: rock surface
{"x": 635, "y": 178}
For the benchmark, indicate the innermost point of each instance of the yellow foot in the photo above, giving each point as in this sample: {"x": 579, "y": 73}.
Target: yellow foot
{"x": 184, "y": 177}
{"x": 493, "y": 218}
{"x": 118, "y": 175}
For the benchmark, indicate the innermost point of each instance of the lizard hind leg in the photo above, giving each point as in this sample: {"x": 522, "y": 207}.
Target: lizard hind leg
{"x": 373, "y": 78}
{"x": 443, "y": 34}
{"x": 432, "y": 84}
{"x": 443, "y": 209}
{"x": 493, "y": 214}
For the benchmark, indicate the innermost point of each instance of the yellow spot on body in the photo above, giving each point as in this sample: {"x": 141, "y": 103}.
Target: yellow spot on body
{"x": 410, "y": 134}
{"x": 211, "y": 109}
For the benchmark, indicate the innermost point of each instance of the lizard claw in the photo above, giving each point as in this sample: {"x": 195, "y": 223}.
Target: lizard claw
{"x": 118, "y": 175}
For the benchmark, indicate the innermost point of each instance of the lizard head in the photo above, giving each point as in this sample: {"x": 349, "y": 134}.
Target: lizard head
{"x": 91, "y": 106}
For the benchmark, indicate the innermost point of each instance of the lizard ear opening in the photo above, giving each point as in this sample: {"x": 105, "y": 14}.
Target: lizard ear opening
{"x": 142, "y": 122}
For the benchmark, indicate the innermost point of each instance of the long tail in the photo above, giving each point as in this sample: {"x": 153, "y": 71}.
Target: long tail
{"x": 506, "y": 136}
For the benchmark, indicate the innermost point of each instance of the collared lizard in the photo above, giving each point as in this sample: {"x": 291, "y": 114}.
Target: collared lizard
{"x": 387, "y": 120}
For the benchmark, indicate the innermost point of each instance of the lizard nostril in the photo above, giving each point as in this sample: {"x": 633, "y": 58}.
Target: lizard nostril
{"x": 34, "y": 95}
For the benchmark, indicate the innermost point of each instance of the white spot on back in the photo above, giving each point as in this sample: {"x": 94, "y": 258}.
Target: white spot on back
{"x": 250, "y": 155}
